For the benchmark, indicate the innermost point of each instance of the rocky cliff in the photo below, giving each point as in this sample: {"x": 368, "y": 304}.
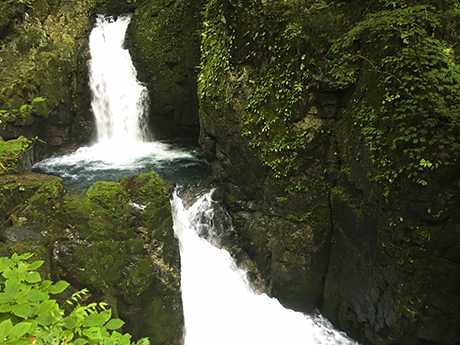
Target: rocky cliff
{"x": 333, "y": 129}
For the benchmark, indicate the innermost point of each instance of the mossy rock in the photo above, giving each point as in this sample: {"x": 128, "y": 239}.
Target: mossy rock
{"x": 11, "y": 155}
{"x": 108, "y": 210}
{"x": 165, "y": 50}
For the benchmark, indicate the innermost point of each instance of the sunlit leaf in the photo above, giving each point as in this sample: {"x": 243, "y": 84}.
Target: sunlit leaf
{"x": 115, "y": 324}
{"x": 58, "y": 287}
{"x": 5, "y": 328}
{"x": 21, "y": 310}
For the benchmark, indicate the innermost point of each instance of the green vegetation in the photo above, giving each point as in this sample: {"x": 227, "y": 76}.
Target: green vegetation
{"x": 406, "y": 110}
{"x": 24, "y": 110}
{"x": 399, "y": 55}
{"x": 28, "y": 315}
{"x": 11, "y": 152}
{"x": 281, "y": 45}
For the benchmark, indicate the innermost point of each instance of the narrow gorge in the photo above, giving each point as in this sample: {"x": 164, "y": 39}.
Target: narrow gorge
{"x": 329, "y": 131}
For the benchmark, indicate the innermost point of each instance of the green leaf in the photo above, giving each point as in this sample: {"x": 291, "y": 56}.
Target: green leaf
{"x": 5, "y": 298}
{"x": 36, "y": 295}
{"x": 58, "y": 287}
{"x": 45, "y": 319}
{"x": 21, "y": 310}
{"x": 97, "y": 319}
{"x": 34, "y": 265}
{"x": 80, "y": 341}
{"x": 115, "y": 324}
{"x": 15, "y": 257}
{"x": 33, "y": 277}
{"x": 70, "y": 322}
{"x": 5, "y": 308}
{"x": 4, "y": 263}
{"x": 12, "y": 286}
{"x": 5, "y": 328}
{"x": 23, "y": 107}
{"x": 19, "y": 330}
{"x": 38, "y": 99}
{"x": 47, "y": 306}
{"x": 45, "y": 284}
{"x": 93, "y": 333}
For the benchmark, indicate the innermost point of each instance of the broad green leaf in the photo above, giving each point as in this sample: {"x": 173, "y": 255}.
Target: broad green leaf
{"x": 97, "y": 319}
{"x": 23, "y": 107}
{"x": 21, "y": 310}
{"x": 36, "y": 264}
{"x": 33, "y": 277}
{"x": 125, "y": 339}
{"x": 93, "y": 333}
{"x": 115, "y": 324}
{"x": 36, "y": 295}
{"x": 47, "y": 306}
{"x": 45, "y": 284}
{"x": 70, "y": 322}
{"x": 38, "y": 99}
{"x": 5, "y": 328}
{"x": 25, "y": 256}
{"x": 58, "y": 287}
{"x": 45, "y": 319}
{"x": 4, "y": 263}
{"x": 12, "y": 286}
{"x": 5, "y": 308}
{"x": 19, "y": 330}
{"x": 9, "y": 273}
{"x": 5, "y": 298}
{"x": 15, "y": 257}
{"x": 22, "y": 267}
{"x": 80, "y": 341}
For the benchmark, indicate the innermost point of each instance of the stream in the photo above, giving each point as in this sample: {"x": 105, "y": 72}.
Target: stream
{"x": 220, "y": 307}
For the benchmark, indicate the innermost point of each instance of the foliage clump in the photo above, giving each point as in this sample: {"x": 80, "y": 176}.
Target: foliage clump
{"x": 29, "y": 316}
{"x": 406, "y": 109}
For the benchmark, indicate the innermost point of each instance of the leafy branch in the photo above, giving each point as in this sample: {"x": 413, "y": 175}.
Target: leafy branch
{"x": 28, "y": 316}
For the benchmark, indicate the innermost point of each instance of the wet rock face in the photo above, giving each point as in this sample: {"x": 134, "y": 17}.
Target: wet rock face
{"x": 376, "y": 255}
{"x": 44, "y": 54}
{"x": 116, "y": 240}
{"x": 165, "y": 49}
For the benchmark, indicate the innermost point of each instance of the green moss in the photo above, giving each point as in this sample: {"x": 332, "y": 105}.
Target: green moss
{"x": 11, "y": 153}
{"x": 151, "y": 189}
{"x": 107, "y": 204}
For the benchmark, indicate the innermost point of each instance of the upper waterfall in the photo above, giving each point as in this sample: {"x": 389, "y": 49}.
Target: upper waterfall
{"x": 120, "y": 103}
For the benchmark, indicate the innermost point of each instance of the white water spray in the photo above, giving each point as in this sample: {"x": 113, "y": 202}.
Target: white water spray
{"x": 220, "y": 307}
{"x": 120, "y": 102}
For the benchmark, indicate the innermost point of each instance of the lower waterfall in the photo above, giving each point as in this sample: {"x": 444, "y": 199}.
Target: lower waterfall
{"x": 220, "y": 307}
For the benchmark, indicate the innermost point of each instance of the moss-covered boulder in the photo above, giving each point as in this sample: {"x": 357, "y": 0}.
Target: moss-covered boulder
{"x": 44, "y": 53}
{"x": 165, "y": 49}
{"x": 116, "y": 240}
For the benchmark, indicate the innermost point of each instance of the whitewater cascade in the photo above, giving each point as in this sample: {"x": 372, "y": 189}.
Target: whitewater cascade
{"x": 120, "y": 102}
{"x": 220, "y": 307}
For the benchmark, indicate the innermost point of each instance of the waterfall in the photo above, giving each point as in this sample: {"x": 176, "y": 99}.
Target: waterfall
{"x": 220, "y": 307}
{"x": 120, "y": 105}
{"x": 120, "y": 102}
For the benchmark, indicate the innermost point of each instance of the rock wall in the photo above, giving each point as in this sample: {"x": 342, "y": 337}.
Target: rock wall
{"x": 164, "y": 46}
{"x": 332, "y": 132}
{"x": 44, "y": 55}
